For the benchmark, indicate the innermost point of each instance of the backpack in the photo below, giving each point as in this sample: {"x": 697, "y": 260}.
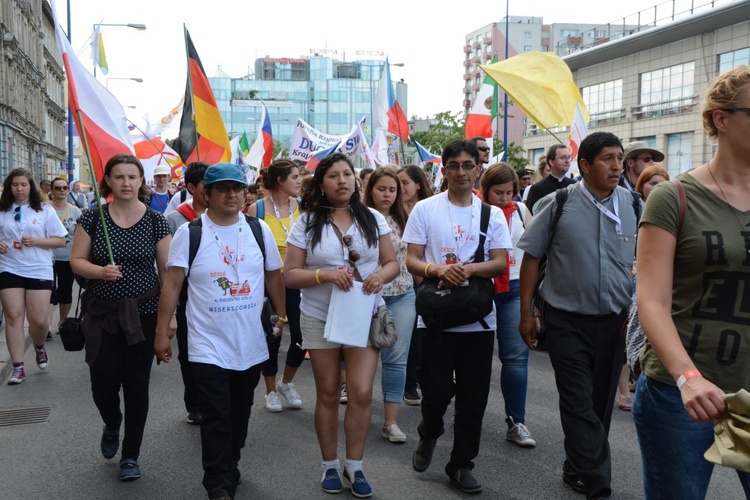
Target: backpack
{"x": 195, "y": 228}
{"x": 561, "y": 197}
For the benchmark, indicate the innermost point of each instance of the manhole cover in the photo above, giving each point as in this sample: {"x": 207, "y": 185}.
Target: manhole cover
{"x": 25, "y": 415}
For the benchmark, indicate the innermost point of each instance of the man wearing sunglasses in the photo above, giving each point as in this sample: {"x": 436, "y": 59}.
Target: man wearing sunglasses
{"x": 638, "y": 156}
{"x": 558, "y": 159}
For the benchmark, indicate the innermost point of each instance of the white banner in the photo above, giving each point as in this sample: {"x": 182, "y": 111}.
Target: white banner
{"x": 307, "y": 140}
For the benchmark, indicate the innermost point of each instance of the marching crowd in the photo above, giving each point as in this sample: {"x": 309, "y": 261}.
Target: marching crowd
{"x": 227, "y": 268}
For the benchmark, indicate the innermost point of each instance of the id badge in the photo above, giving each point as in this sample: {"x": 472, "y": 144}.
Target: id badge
{"x": 17, "y": 245}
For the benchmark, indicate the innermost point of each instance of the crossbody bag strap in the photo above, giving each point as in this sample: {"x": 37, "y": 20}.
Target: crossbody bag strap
{"x": 336, "y": 230}
{"x": 484, "y": 224}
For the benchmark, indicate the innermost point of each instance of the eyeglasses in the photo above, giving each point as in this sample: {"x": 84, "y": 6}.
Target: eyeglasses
{"x": 646, "y": 159}
{"x": 60, "y": 188}
{"x": 563, "y": 158}
{"x": 17, "y": 212}
{"x": 483, "y": 148}
{"x": 452, "y": 167}
{"x": 353, "y": 254}
{"x": 225, "y": 188}
{"x": 732, "y": 110}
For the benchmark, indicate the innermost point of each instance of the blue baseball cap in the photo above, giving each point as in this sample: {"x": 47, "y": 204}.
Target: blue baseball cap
{"x": 224, "y": 172}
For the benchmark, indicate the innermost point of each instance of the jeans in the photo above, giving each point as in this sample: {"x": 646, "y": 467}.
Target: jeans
{"x": 394, "y": 359}
{"x": 469, "y": 356}
{"x": 513, "y": 353}
{"x": 226, "y": 399}
{"x": 672, "y": 444}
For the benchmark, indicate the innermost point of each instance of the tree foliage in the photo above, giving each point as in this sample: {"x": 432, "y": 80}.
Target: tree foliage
{"x": 450, "y": 127}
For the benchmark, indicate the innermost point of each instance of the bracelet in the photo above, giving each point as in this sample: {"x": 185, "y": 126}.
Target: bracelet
{"x": 426, "y": 268}
{"x": 687, "y": 376}
{"x": 283, "y": 319}
{"x": 317, "y": 276}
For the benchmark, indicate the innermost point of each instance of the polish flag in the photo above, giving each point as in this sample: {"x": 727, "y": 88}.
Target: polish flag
{"x": 387, "y": 112}
{"x": 94, "y": 108}
{"x": 262, "y": 149}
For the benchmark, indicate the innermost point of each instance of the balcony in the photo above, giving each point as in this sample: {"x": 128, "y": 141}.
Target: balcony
{"x": 487, "y": 40}
{"x": 467, "y": 49}
{"x": 608, "y": 117}
{"x": 467, "y": 76}
{"x": 476, "y": 45}
{"x": 677, "y": 106}
{"x": 487, "y": 56}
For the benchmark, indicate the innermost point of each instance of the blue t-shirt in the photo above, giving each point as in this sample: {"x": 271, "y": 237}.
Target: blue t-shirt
{"x": 159, "y": 201}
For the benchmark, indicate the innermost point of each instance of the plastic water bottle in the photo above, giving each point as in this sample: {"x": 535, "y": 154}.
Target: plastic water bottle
{"x": 274, "y": 320}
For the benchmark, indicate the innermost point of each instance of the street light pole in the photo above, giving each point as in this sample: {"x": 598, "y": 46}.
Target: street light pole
{"x": 135, "y": 26}
{"x": 71, "y": 165}
{"x": 134, "y": 79}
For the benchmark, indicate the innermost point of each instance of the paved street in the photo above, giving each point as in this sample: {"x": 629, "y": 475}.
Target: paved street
{"x": 60, "y": 458}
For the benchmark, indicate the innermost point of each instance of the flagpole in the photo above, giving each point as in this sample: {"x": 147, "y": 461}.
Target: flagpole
{"x": 95, "y": 184}
{"x": 505, "y": 102}
{"x": 192, "y": 100}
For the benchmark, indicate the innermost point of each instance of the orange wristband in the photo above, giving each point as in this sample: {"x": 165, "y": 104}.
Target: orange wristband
{"x": 687, "y": 376}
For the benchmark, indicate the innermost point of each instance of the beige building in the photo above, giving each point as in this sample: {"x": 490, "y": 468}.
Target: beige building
{"x": 649, "y": 86}
{"x": 32, "y": 91}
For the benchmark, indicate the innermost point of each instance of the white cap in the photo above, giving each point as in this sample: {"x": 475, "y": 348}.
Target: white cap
{"x": 162, "y": 170}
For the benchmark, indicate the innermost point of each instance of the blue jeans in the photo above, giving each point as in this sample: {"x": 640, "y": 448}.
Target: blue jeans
{"x": 673, "y": 444}
{"x": 513, "y": 353}
{"x": 393, "y": 377}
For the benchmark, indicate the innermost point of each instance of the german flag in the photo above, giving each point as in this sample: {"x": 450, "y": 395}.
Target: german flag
{"x": 203, "y": 136}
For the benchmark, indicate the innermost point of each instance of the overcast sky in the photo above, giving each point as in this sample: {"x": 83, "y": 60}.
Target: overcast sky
{"x": 426, "y": 36}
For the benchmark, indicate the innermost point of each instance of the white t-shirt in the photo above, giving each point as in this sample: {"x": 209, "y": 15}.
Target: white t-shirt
{"x": 29, "y": 262}
{"x": 517, "y": 228}
{"x": 223, "y": 312}
{"x": 435, "y": 222}
{"x": 330, "y": 254}
{"x": 176, "y": 200}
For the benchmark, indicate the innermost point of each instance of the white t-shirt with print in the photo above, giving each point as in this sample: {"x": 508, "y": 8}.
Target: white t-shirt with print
{"x": 450, "y": 235}
{"x": 517, "y": 228}
{"x": 331, "y": 254}
{"x": 223, "y": 311}
{"x": 29, "y": 262}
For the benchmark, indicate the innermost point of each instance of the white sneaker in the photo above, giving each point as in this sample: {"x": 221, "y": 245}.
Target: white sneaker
{"x": 272, "y": 402}
{"x": 393, "y": 434}
{"x": 290, "y": 394}
{"x": 519, "y": 434}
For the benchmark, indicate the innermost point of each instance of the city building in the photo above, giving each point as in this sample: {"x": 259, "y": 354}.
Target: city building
{"x": 526, "y": 34}
{"x": 32, "y": 91}
{"x": 649, "y": 86}
{"x": 329, "y": 94}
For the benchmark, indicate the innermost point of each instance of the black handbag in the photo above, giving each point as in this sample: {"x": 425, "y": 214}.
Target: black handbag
{"x": 70, "y": 330}
{"x": 444, "y": 308}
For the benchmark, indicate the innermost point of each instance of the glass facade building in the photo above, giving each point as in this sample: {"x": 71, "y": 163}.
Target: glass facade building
{"x": 328, "y": 94}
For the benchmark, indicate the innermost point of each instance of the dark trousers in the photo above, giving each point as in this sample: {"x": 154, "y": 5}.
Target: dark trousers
{"x": 226, "y": 398}
{"x": 295, "y": 355}
{"x": 128, "y": 366}
{"x": 190, "y": 396}
{"x": 412, "y": 362}
{"x": 470, "y": 356}
{"x": 586, "y": 355}
{"x": 62, "y": 291}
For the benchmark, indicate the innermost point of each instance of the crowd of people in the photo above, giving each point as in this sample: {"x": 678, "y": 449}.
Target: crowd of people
{"x": 228, "y": 267}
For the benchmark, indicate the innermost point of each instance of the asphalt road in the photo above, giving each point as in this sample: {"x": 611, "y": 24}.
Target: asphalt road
{"x": 60, "y": 458}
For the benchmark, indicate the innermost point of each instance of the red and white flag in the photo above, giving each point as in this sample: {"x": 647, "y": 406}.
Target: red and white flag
{"x": 578, "y": 132}
{"x": 101, "y": 114}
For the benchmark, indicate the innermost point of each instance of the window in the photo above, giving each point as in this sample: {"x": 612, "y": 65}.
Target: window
{"x": 650, "y": 141}
{"x": 527, "y": 34}
{"x": 668, "y": 87}
{"x": 567, "y": 33}
{"x": 527, "y": 48}
{"x": 678, "y": 158}
{"x": 604, "y": 101}
{"x": 730, "y": 60}
{"x": 601, "y": 33}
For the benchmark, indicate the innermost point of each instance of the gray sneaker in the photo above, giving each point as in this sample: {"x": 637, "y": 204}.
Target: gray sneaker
{"x": 519, "y": 434}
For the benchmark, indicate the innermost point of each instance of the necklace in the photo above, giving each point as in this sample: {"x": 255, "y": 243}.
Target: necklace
{"x": 734, "y": 211}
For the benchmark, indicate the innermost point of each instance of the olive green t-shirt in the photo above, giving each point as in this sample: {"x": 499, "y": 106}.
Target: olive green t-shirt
{"x": 711, "y": 288}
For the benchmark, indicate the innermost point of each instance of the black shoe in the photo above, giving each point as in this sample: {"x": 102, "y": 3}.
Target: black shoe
{"x": 572, "y": 480}
{"x": 422, "y": 456}
{"x": 110, "y": 442}
{"x": 49, "y": 336}
{"x": 412, "y": 397}
{"x": 129, "y": 470}
{"x": 194, "y": 418}
{"x": 465, "y": 481}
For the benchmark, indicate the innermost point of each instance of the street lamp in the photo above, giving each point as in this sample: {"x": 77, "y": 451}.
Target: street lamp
{"x": 135, "y": 26}
{"x": 134, "y": 79}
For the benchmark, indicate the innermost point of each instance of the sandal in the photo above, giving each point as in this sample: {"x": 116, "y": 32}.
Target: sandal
{"x": 625, "y": 403}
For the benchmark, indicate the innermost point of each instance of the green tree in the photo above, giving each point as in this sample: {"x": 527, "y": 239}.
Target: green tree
{"x": 450, "y": 127}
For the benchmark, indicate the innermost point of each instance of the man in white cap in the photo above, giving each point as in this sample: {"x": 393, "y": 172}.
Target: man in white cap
{"x": 160, "y": 195}
{"x": 638, "y": 156}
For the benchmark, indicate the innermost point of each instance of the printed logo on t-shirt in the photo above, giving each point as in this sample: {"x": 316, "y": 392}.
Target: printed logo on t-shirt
{"x": 235, "y": 289}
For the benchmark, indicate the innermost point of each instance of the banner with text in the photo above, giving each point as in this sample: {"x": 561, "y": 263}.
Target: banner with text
{"x": 307, "y": 140}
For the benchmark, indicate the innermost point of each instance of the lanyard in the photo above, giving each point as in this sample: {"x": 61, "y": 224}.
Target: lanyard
{"x": 224, "y": 250}
{"x": 608, "y": 213}
{"x": 278, "y": 215}
{"x": 456, "y": 229}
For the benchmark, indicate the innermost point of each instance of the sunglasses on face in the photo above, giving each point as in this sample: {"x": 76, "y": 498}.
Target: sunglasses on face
{"x": 646, "y": 159}
{"x": 483, "y": 148}
{"x": 353, "y": 254}
{"x": 60, "y": 188}
{"x": 17, "y": 214}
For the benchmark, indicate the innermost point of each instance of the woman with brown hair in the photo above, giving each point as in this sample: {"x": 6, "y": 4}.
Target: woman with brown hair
{"x": 120, "y": 303}
{"x": 414, "y": 186}
{"x": 29, "y": 230}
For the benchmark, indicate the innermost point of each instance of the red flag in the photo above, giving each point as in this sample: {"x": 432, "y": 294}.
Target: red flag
{"x": 94, "y": 108}
{"x": 387, "y": 112}
{"x": 203, "y": 136}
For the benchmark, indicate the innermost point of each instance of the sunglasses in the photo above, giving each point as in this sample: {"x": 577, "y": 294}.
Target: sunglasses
{"x": 60, "y": 188}
{"x": 17, "y": 214}
{"x": 353, "y": 254}
{"x": 483, "y": 148}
